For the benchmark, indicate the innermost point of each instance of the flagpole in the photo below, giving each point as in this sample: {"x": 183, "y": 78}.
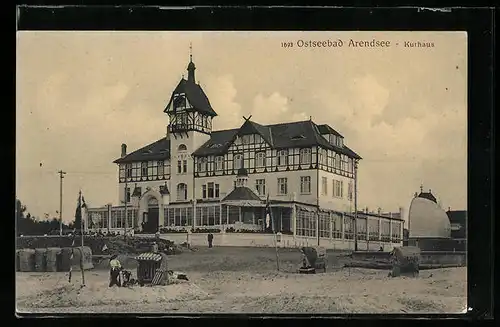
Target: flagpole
{"x": 81, "y": 233}
{"x": 274, "y": 234}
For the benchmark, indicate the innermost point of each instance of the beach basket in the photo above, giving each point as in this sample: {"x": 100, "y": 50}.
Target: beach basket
{"x": 405, "y": 261}
{"x": 40, "y": 259}
{"x": 313, "y": 259}
{"x": 52, "y": 259}
{"x": 27, "y": 260}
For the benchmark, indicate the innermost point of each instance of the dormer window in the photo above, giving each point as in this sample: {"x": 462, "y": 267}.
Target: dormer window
{"x": 298, "y": 137}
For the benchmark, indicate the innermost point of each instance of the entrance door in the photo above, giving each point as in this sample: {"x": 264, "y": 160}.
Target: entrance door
{"x": 151, "y": 225}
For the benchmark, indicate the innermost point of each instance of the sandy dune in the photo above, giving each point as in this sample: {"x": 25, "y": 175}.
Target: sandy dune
{"x": 232, "y": 280}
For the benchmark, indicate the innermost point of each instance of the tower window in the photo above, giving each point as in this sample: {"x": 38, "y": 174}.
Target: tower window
{"x": 182, "y": 147}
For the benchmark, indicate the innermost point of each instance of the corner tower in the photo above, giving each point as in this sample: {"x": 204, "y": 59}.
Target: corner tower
{"x": 190, "y": 125}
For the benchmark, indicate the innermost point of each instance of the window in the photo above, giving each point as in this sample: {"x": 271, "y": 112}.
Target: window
{"x": 260, "y": 186}
{"x": 385, "y": 232}
{"x": 305, "y": 156}
{"x": 128, "y": 169}
{"x": 324, "y": 224}
{"x": 210, "y": 190}
{"x": 184, "y": 166}
{"x": 181, "y": 192}
{"x": 161, "y": 170}
{"x": 282, "y": 158}
{"x": 219, "y": 163}
{"x": 202, "y": 164}
{"x": 179, "y": 166}
{"x": 179, "y": 102}
{"x": 245, "y": 139}
{"x": 350, "y": 191}
{"x": 238, "y": 161}
{"x": 144, "y": 169}
{"x": 337, "y": 161}
{"x": 306, "y": 223}
{"x": 323, "y": 158}
{"x": 260, "y": 159}
{"x": 336, "y": 225}
{"x": 338, "y": 188}
{"x": 182, "y": 147}
{"x": 305, "y": 184}
{"x": 282, "y": 186}
{"x": 324, "y": 186}
{"x": 127, "y": 194}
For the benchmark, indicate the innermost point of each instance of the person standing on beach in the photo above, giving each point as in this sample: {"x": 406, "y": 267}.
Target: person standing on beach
{"x": 210, "y": 239}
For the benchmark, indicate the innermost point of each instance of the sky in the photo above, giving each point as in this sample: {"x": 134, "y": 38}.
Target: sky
{"x": 80, "y": 95}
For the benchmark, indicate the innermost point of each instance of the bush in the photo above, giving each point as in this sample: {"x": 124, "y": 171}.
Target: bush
{"x": 206, "y": 230}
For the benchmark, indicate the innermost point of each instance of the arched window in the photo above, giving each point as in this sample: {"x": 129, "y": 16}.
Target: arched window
{"x": 219, "y": 163}
{"x": 238, "y": 161}
{"x": 202, "y": 164}
{"x": 305, "y": 156}
{"x": 337, "y": 161}
{"x": 282, "y": 158}
{"x": 182, "y": 147}
{"x": 181, "y": 192}
{"x": 260, "y": 159}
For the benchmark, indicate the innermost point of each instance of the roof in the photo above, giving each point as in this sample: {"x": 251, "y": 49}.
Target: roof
{"x": 457, "y": 216}
{"x": 428, "y": 196}
{"x": 278, "y": 136}
{"x": 158, "y": 150}
{"x": 195, "y": 95}
{"x": 326, "y": 129}
{"x": 241, "y": 193}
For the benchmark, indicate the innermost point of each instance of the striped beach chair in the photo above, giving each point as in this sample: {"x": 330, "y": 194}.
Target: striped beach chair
{"x": 152, "y": 268}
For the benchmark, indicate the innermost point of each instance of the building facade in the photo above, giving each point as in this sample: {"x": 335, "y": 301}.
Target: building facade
{"x": 196, "y": 177}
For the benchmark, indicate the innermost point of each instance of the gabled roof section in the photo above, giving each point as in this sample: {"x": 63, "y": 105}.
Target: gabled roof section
{"x": 242, "y": 193}
{"x": 251, "y": 127}
{"x": 326, "y": 129}
{"x": 158, "y": 150}
{"x": 278, "y": 136}
{"x": 219, "y": 143}
{"x": 195, "y": 95}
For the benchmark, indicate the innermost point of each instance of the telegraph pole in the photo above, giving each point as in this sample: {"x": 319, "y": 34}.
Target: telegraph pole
{"x": 126, "y": 200}
{"x": 61, "y": 176}
{"x": 356, "y": 205}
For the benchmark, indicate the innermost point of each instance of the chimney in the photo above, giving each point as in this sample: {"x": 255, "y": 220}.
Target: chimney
{"x": 124, "y": 150}
{"x": 401, "y": 213}
{"x": 379, "y": 211}
{"x": 449, "y": 208}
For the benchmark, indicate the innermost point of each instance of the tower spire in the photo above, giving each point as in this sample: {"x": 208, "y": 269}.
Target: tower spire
{"x": 191, "y": 66}
{"x": 190, "y": 52}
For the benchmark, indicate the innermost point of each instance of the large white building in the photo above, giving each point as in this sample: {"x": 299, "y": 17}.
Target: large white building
{"x": 196, "y": 177}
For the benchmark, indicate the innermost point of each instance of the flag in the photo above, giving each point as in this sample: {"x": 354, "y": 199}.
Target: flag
{"x": 268, "y": 213}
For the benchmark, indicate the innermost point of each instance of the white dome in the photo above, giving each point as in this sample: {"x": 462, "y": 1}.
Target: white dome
{"x": 427, "y": 219}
